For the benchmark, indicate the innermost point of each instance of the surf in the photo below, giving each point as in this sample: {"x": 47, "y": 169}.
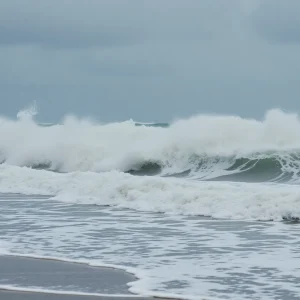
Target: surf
{"x": 205, "y": 147}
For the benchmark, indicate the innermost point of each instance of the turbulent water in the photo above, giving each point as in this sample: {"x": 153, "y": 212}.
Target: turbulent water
{"x": 224, "y": 167}
{"x": 189, "y": 163}
{"x": 202, "y": 147}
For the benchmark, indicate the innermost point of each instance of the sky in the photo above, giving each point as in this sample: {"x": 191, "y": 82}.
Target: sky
{"x": 149, "y": 60}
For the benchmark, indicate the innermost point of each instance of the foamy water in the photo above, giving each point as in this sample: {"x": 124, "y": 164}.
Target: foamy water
{"x": 204, "y": 220}
{"x": 203, "y": 144}
{"x": 153, "y": 194}
{"x": 170, "y": 254}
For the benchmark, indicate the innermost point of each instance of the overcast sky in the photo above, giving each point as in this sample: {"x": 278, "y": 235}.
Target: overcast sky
{"x": 150, "y": 60}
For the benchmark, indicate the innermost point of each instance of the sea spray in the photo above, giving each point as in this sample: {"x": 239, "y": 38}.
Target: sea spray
{"x": 203, "y": 147}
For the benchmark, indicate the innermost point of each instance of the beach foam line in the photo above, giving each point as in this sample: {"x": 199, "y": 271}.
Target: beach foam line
{"x": 134, "y": 286}
{"x": 87, "y": 262}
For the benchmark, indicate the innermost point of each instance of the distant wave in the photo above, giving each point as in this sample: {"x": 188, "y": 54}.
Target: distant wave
{"x": 162, "y": 125}
{"x": 152, "y": 124}
{"x": 202, "y": 147}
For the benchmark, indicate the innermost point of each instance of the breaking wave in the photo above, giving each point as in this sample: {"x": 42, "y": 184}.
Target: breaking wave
{"x": 220, "y": 166}
{"x": 203, "y": 147}
{"x": 259, "y": 201}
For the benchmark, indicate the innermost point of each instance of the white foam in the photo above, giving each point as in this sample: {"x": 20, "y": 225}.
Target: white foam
{"x": 84, "y": 145}
{"x": 155, "y": 194}
{"x": 4, "y": 246}
{"x": 139, "y": 288}
{"x": 168, "y": 253}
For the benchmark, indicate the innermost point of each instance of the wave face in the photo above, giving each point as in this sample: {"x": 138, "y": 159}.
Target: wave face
{"x": 203, "y": 147}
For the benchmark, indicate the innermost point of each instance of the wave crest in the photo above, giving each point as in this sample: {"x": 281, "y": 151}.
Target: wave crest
{"x": 203, "y": 147}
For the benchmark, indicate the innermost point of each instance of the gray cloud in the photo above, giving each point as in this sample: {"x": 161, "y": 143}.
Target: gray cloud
{"x": 278, "y": 21}
{"x": 148, "y": 60}
{"x": 67, "y": 23}
{"x": 55, "y": 37}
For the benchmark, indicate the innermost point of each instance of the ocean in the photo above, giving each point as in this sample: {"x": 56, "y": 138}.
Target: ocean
{"x": 205, "y": 207}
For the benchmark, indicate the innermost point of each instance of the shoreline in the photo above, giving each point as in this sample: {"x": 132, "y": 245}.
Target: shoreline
{"x": 80, "y": 262}
{"x": 7, "y": 294}
{"x": 34, "y": 278}
{"x": 11, "y": 294}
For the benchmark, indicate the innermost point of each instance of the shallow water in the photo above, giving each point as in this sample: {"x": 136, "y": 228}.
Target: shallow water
{"x": 183, "y": 255}
{"x": 53, "y": 275}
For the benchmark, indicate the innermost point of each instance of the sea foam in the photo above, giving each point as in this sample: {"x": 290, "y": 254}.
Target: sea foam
{"x": 205, "y": 144}
{"x": 155, "y": 194}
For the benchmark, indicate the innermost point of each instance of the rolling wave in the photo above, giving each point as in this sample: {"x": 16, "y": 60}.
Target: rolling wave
{"x": 202, "y": 147}
{"x": 225, "y": 166}
{"x": 276, "y": 168}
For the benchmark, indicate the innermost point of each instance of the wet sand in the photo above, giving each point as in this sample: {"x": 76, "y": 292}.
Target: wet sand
{"x": 50, "y": 274}
{"x": 10, "y": 295}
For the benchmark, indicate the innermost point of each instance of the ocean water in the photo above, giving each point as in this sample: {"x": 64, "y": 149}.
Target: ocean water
{"x": 201, "y": 208}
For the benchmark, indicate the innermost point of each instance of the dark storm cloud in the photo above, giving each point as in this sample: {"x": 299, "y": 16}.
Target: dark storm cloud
{"x": 278, "y": 21}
